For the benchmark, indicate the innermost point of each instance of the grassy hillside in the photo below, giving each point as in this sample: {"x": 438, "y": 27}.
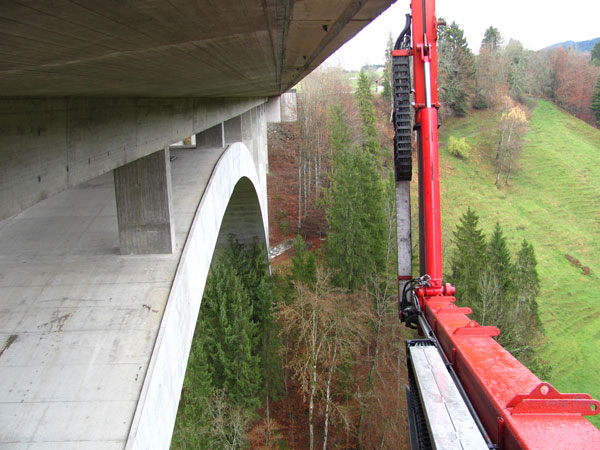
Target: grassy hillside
{"x": 553, "y": 201}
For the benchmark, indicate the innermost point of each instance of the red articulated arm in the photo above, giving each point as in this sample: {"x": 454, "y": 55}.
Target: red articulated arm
{"x": 516, "y": 409}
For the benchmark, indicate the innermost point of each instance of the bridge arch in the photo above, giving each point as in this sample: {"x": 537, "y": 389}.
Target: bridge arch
{"x": 234, "y": 202}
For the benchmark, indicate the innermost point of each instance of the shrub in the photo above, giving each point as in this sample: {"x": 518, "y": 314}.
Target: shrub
{"x": 459, "y": 148}
{"x": 284, "y": 226}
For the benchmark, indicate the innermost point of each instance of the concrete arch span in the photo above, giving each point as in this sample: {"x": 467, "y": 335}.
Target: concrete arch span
{"x": 234, "y": 202}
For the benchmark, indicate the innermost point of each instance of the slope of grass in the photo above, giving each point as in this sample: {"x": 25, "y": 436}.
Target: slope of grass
{"x": 553, "y": 201}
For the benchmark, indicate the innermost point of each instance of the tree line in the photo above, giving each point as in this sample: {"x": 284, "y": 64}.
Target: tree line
{"x": 325, "y": 331}
{"x": 500, "y": 288}
{"x": 564, "y": 76}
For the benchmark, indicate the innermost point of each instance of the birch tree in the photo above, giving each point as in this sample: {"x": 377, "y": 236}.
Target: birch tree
{"x": 513, "y": 123}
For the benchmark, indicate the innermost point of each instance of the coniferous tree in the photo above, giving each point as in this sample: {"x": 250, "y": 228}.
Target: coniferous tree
{"x": 388, "y": 71}
{"x": 595, "y": 57}
{"x": 304, "y": 267}
{"x": 492, "y": 39}
{"x": 251, "y": 266}
{"x": 339, "y": 131}
{"x": 456, "y": 69}
{"x": 499, "y": 260}
{"x": 231, "y": 336}
{"x": 364, "y": 101}
{"x": 499, "y": 291}
{"x": 518, "y": 76}
{"x": 595, "y": 106}
{"x": 356, "y": 240}
{"x": 195, "y": 398}
{"x": 528, "y": 284}
{"x": 491, "y": 84}
{"x": 467, "y": 259}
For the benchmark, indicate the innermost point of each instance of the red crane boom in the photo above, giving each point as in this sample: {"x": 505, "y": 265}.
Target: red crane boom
{"x": 512, "y": 407}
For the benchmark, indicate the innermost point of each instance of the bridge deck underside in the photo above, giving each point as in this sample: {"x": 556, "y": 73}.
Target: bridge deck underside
{"x": 78, "y": 320}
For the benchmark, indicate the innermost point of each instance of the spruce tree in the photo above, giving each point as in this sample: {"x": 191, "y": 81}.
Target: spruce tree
{"x": 304, "y": 267}
{"x": 528, "y": 283}
{"x": 456, "y": 69}
{"x": 339, "y": 131}
{"x": 467, "y": 259}
{"x": 492, "y": 40}
{"x": 195, "y": 398}
{"x": 356, "y": 240}
{"x": 231, "y": 336}
{"x": 388, "y": 75}
{"x": 499, "y": 261}
{"x": 364, "y": 100}
{"x": 251, "y": 266}
{"x": 595, "y": 106}
{"x": 595, "y": 56}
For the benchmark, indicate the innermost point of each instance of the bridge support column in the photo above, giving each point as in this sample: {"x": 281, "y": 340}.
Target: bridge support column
{"x": 144, "y": 210}
{"x": 213, "y": 137}
{"x": 232, "y": 130}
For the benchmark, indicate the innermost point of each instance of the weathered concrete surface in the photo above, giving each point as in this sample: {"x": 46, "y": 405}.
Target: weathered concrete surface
{"x": 144, "y": 205}
{"x": 282, "y": 108}
{"x": 234, "y": 176}
{"x": 213, "y": 137}
{"x": 226, "y": 48}
{"x": 48, "y": 145}
{"x": 85, "y": 332}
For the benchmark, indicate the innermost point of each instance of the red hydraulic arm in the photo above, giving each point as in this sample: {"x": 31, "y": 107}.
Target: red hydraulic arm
{"x": 517, "y": 409}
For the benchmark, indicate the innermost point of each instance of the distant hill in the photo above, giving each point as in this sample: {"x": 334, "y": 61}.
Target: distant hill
{"x": 581, "y": 46}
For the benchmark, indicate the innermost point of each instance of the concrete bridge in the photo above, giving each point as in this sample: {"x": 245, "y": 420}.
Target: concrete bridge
{"x": 107, "y": 231}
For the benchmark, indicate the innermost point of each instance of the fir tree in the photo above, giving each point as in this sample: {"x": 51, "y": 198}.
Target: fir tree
{"x": 194, "y": 404}
{"x": 364, "y": 100}
{"x": 595, "y": 56}
{"x": 528, "y": 283}
{"x": 356, "y": 240}
{"x": 388, "y": 75}
{"x": 231, "y": 336}
{"x": 251, "y": 266}
{"x": 499, "y": 260}
{"x": 595, "y": 106}
{"x": 339, "y": 131}
{"x": 467, "y": 259}
{"x": 492, "y": 40}
{"x": 456, "y": 68}
{"x": 303, "y": 263}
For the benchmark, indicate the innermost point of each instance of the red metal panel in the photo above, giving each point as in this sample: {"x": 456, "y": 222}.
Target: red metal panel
{"x": 516, "y": 408}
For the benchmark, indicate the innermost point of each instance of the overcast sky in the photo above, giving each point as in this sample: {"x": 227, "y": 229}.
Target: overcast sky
{"x": 536, "y": 23}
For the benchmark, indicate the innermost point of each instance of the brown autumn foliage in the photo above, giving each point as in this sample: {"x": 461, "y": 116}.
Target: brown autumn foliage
{"x": 574, "y": 79}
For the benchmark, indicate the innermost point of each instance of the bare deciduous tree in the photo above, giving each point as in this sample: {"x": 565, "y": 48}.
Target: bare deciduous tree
{"x": 325, "y": 328}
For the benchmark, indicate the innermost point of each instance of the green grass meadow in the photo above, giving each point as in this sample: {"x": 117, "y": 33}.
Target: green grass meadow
{"x": 553, "y": 201}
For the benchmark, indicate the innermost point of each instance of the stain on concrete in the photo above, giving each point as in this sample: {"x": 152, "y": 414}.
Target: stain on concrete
{"x": 10, "y": 341}
{"x": 56, "y": 324}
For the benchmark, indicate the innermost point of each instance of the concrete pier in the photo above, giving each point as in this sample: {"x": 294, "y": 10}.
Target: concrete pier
{"x": 144, "y": 205}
